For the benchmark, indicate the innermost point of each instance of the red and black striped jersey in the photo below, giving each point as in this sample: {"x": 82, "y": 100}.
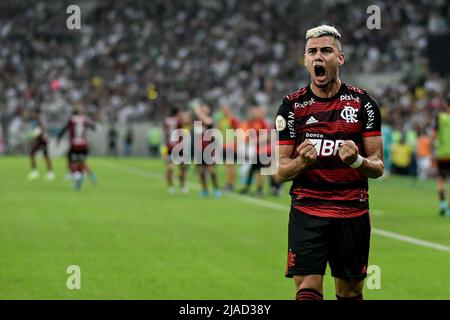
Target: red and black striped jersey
{"x": 329, "y": 188}
{"x": 78, "y": 126}
{"x": 170, "y": 125}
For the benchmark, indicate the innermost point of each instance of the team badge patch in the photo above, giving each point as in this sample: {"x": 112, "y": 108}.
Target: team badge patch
{"x": 349, "y": 114}
{"x": 280, "y": 123}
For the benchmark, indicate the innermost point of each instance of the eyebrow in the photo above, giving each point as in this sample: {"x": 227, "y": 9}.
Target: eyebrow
{"x": 325, "y": 47}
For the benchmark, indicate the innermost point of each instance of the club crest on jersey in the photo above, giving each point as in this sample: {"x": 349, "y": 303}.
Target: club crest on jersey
{"x": 280, "y": 123}
{"x": 349, "y": 114}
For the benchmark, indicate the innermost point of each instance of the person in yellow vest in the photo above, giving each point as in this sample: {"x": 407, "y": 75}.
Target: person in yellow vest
{"x": 155, "y": 138}
{"x": 442, "y": 144}
{"x": 401, "y": 156}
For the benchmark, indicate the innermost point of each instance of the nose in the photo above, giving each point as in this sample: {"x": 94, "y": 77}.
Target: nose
{"x": 318, "y": 57}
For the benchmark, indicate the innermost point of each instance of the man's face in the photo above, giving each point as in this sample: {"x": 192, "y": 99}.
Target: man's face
{"x": 322, "y": 59}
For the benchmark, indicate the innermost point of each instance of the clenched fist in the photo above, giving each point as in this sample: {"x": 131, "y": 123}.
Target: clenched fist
{"x": 307, "y": 152}
{"x": 348, "y": 152}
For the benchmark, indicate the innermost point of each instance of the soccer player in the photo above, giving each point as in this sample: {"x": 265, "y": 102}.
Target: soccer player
{"x": 442, "y": 138}
{"x": 39, "y": 141}
{"x": 386, "y": 131}
{"x": 77, "y": 126}
{"x": 329, "y": 144}
{"x": 257, "y": 122}
{"x": 203, "y": 114}
{"x": 172, "y": 123}
{"x": 225, "y": 120}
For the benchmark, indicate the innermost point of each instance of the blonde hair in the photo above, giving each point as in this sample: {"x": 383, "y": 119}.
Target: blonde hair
{"x": 324, "y": 31}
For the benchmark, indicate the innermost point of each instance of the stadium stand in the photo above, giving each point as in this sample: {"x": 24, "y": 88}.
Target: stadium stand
{"x": 131, "y": 60}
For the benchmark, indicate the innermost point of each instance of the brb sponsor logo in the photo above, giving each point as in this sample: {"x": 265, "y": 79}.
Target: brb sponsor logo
{"x": 325, "y": 147}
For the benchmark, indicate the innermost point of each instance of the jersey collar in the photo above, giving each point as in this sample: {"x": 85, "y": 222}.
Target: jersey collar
{"x": 336, "y": 96}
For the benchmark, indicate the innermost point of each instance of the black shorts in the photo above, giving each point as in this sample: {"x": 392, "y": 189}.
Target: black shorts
{"x": 77, "y": 155}
{"x": 342, "y": 242}
{"x": 443, "y": 167}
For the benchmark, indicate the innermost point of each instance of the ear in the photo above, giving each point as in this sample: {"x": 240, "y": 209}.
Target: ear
{"x": 304, "y": 59}
{"x": 341, "y": 58}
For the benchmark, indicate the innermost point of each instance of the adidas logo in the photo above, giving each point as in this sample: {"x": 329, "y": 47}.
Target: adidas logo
{"x": 311, "y": 120}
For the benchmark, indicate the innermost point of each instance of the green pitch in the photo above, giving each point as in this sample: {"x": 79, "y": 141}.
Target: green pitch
{"x": 133, "y": 240}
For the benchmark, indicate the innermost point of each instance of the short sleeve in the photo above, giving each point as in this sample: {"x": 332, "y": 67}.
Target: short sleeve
{"x": 371, "y": 117}
{"x": 284, "y": 124}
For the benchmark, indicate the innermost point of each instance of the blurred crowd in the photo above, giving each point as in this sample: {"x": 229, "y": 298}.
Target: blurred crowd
{"x": 133, "y": 60}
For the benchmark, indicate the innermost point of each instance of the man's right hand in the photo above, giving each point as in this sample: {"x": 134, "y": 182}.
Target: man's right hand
{"x": 290, "y": 168}
{"x": 307, "y": 153}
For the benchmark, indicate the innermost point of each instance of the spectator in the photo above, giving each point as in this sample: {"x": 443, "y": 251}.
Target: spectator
{"x": 112, "y": 141}
{"x": 128, "y": 141}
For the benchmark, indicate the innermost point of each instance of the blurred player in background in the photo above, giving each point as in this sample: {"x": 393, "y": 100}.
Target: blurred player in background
{"x": 77, "y": 126}
{"x": 424, "y": 154}
{"x": 39, "y": 141}
{"x": 203, "y": 113}
{"x": 174, "y": 122}
{"x": 225, "y": 120}
{"x": 386, "y": 130}
{"x": 256, "y": 122}
{"x": 442, "y": 138}
{"x": 330, "y": 144}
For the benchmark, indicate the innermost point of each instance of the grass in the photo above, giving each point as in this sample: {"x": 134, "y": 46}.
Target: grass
{"x": 133, "y": 240}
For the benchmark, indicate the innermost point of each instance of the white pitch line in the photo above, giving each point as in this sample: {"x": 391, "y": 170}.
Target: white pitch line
{"x": 280, "y": 207}
{"x": 418, "y": 242}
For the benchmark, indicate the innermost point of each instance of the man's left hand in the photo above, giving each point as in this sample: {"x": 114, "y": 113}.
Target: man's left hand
{"x": 348, "y": 152}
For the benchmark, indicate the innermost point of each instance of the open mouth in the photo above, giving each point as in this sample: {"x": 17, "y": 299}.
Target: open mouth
{"x": 320, "y": 72}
